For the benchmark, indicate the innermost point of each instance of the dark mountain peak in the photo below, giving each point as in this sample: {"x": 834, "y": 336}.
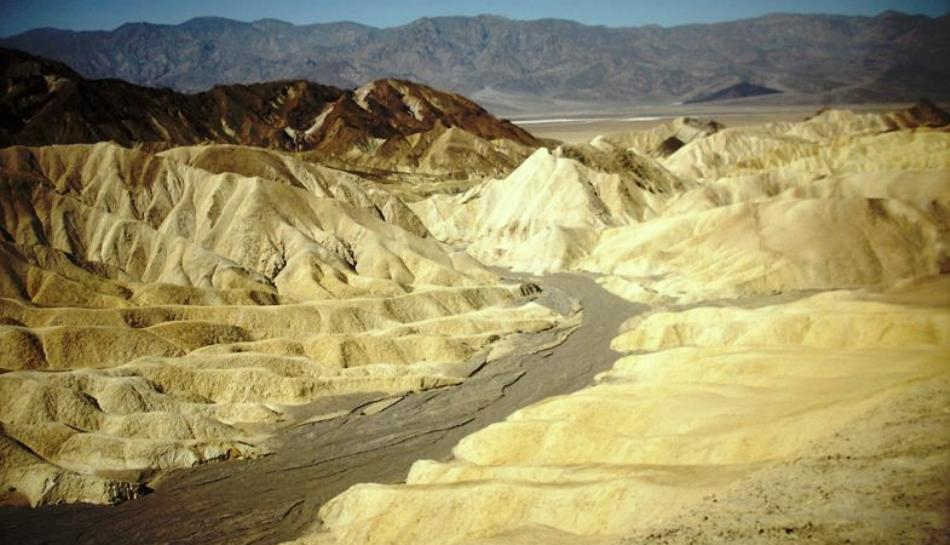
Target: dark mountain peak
{"x": 926, "y": 114}
{"x": 740, "y": 90}
{"x": 893, "y": 14}
{"x": 39, "y": 33}
{"x": 347, "y": 25}
{"x": 420, "y": 107}
{"x": 491, "y": 17}
{"x": 272, "y": 24}
{"x": 460, "y": 22}
{"x": 207, "y": 22}
{"x": 482, "y": 17}
{"x": 423, "y": 21}
{"x": 793, "y": 16}
{"x": 563, "y": 22}
{"x": 132, "y": 26}
{"x": 18, "y": 64}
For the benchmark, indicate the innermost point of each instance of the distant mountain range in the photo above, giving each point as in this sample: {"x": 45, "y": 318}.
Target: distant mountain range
{"x": 514, "y": 64}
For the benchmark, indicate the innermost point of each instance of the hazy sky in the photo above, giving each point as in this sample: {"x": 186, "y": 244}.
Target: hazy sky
{"x": 19, "y": 15}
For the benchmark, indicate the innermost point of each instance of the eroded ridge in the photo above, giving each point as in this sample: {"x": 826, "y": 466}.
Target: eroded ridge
{"x": 156, "y": 315}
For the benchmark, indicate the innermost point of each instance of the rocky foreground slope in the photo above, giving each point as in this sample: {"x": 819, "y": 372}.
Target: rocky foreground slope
{"x": 789, "y": 381}
{"x": 824, "y": 418}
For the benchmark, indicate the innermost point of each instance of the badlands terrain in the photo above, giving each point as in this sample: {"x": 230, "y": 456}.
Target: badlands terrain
{"x": 291, "y": 313}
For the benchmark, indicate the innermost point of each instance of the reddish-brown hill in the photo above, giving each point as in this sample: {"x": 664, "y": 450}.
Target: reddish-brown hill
{"x": 46, "y": 102}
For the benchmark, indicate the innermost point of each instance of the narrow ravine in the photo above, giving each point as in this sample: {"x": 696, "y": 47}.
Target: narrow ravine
{"x": 273, "y": 499}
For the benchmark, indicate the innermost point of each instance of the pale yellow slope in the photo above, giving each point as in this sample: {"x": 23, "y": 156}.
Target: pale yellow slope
{"x": 816, "y": 144}
{"x": 777, "y": 245}
{"x": 156, "y": 315}
{"x": 548, "y": 212}
{"x": 168, "y": 373}
{"x": 848, "y": 206}
{"x": 725, "y": 398}
{"x": 160, "y": 221}
{"x": 662, "y": 430}
{"x": 317, "y": 179}
{"x": 736, "y": 211}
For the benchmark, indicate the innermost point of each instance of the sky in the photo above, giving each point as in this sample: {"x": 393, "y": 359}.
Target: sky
{"x": 19, "y": 15}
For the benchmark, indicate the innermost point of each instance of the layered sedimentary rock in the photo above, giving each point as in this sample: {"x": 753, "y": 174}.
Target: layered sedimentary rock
{"x": 728, "y": 212}
{"x": 718, "y": 401}
{"x": 157, "y": 315}
{"x": 790, "y": 379}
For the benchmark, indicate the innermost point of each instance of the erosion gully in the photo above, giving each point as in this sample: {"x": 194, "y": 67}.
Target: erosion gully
{"x": 275, "y": 498}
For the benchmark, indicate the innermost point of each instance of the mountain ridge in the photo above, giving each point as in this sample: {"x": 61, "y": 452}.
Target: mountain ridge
{"x": 817, "y": 58}
{"x": 203, "y": 18}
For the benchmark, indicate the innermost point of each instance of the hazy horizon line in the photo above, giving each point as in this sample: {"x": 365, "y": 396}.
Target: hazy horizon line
{"x": 480, "y": 15}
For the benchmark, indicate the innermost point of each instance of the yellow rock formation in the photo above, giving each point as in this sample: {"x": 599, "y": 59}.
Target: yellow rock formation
{"x": 156, "y": 315}
{"x": 799, "y": 330}
{"x": 721, "y": 395}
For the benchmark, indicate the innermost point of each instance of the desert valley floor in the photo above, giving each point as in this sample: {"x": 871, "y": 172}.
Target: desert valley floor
{"x": 444, "y": 329}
